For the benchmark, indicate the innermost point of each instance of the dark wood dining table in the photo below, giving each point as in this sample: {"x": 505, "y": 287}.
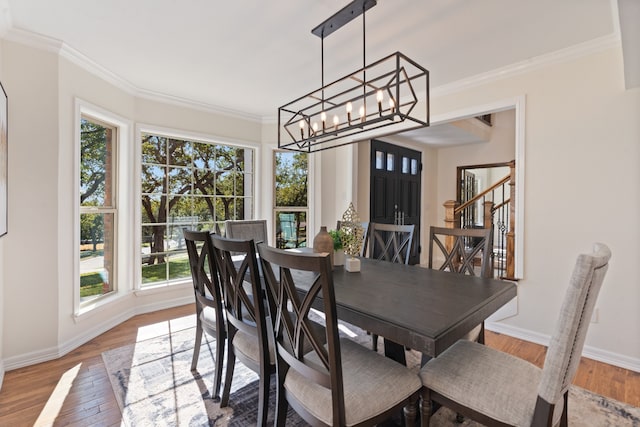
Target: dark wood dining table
{"x": 419, "y": 308}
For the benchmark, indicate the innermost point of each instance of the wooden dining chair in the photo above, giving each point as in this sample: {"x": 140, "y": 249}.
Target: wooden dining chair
{"x": 249, "y": 335}
{"x": 461, "y": 250}
{"x": 389, "y": 242}
{"x": 327, "y": 380}
{"x": 208, "y": 298}
{"x": 255, "y": 229}
{"x": 497, "y": 389}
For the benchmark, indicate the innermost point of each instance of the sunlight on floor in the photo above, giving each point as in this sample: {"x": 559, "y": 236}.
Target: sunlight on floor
{"x": 165, "y": 327}
{"x": 57, "y": 398}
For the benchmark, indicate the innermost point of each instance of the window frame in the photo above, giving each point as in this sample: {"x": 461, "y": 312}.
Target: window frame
{"x": 142, "y": 128}
{"x": 306, "y": 209}
{"x": 121, "y": 251}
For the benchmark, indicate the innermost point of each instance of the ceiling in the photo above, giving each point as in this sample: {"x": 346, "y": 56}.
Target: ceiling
{"x": 252, "y": 56}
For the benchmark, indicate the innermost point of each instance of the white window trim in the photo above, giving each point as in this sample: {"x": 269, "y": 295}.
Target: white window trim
{"x": 123, "y": 204}
{"x": 314, "y": 189}
{"x": 137, "y": 191}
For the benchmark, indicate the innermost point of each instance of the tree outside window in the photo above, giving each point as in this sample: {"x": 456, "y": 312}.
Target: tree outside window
{"x": 190, "y": 184}
{"x": 291, "y": 198}
{"x": 97, "y": 208}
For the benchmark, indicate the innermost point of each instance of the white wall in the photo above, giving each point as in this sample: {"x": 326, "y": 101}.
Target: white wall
{"x": 39, "y": 270}
{"x": 582, "y": 185}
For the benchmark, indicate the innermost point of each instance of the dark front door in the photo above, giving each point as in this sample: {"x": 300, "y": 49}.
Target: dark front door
{"x": 395, "y": 188}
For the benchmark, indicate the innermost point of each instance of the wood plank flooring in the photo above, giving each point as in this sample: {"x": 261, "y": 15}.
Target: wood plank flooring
{"x": 75, "y": 391}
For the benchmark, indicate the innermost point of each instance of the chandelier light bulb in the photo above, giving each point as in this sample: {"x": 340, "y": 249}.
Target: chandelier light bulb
{"x": 392, "y": 105}
{"x": 323, "y": 117}
{"x": 380, "y": 97}
{"x": 362, "y": 113}
{"x": 336, "y": 120}
{"x": 349, "y": 108}
{"x": 302, "y": 129}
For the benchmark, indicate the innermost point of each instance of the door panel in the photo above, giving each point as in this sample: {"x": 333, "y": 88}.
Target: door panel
{"x": 395, "y": 188}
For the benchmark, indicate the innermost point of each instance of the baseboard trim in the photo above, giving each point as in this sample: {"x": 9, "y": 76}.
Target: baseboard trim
{"x": 611, "y": 358}
{"x": 56, "y": 352}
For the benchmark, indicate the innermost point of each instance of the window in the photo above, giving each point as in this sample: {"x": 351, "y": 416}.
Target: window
{"x": 193, "y": 184}
{"x": 291, "y": 199}
{"x": 98, "y": 215}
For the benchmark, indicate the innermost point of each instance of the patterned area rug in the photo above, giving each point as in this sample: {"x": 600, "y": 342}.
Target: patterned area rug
{"x": 154, "y": 386}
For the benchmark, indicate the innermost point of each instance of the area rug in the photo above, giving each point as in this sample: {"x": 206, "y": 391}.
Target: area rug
{"x": 154, "y": 386}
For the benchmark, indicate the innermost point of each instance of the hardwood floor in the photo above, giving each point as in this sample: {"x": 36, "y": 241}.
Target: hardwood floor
{"x": 75, "y": 391}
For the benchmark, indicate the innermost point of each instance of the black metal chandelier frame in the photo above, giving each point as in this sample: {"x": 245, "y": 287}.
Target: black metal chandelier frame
{"x": 384, "y": 92}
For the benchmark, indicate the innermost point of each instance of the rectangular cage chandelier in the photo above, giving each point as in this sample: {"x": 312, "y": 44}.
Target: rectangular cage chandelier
{"x": 387, "y": 96}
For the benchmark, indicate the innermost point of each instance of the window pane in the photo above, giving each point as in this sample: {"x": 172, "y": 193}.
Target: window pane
{"x": 180, "y": 180}
{"x": 390, "y": 160}
{"x": 96, "y": 255}
{"x": 95, "y": 164}
{"x": 291, "y": 170}
{"x": 180, "y": 193}
{"x": 379, "y": 160}
{"x": 405, "y": 165}
{"x": 179, "y": 266}
{"x": 291, "y": 229}
{"x": 154, "y": 149}
{"x": 414, "y": 167}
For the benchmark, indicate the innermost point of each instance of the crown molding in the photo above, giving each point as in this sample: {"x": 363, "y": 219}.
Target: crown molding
{"x": 528, "y": 65}
{"x": 81, "y": 60}
{"x": 55, "y": 46}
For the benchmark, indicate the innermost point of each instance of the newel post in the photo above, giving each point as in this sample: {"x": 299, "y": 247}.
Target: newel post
{"x": 451, "y": 220}
{"x": 451, "y": 217}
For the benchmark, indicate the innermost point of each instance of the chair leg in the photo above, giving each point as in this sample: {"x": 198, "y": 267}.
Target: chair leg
{"x": 425, "y": 407}
{"x": 282, "y": 406}
{"x": 481, "y": 335}
{"x": 564, "y": 420}
{"x": 410, "y": 411}
{"x": 196, "y": 347}
{"x": 263, "y": 398}
{"x": 231, "y": 363}
{"x": 217, "y": 379}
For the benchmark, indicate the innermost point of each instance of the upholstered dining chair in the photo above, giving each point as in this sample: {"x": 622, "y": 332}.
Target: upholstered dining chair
{"x": 255, "y": 229}
{"x": 497, "y": 389}
{"x": 250, "y": 338}
{"x": 389, "y": 242}
{"x": 464, "y": 251}
{"x": 206, "y": 288}
{"x": 327, "y": 380}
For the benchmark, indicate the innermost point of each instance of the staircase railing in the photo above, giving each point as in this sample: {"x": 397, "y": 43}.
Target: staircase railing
{"x": 498, "y": 213}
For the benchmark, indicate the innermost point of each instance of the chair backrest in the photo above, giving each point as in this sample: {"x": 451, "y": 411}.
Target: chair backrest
{"x": 244, "y": 305}
{"x": 390, "y": 242}
{"x": 567, "y": 341}
{"x": 459, "y": 248}
{"x": 255, "y": 229}
{"x": 300, "y": 345}
{"x": 204, "y": 272}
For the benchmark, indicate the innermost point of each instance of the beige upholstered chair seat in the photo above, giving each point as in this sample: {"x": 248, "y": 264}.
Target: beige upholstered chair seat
{"x": 488, "y": 381}
{"x": 208, "y": 317}
{"x": 248, "y": 345}
{"x": 372, "y": 385}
